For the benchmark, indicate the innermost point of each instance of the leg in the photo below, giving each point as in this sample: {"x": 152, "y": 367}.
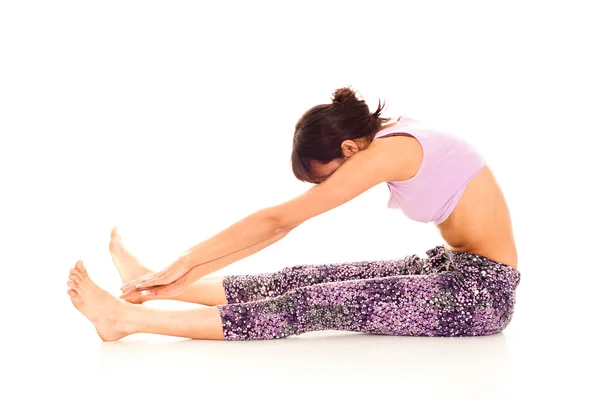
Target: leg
{"x": 475, "y": 299}
{"x": 244, "y": 288}
{"x": 460, "y": 295}
{"x": 115, "y": 319}
{"x": 400, "y": 305}
{"x": 247, "y": 288}
{"x": 397, "y": 305}
{"x": 207, "y": 291}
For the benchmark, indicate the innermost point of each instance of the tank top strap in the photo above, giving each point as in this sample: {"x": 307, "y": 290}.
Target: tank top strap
{"x": 406, "y": 126}
{"x": 390, "y": 130}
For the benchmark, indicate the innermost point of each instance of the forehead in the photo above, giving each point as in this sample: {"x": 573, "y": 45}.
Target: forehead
{"x": 324, "y": 170}
{"x": 323, "y": 167}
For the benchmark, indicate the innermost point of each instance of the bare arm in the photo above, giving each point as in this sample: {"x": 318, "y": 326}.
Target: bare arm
{"x": 202, "y": 269}
{"x": 265, "y": 227}
{"x": 242, "y": 239}
{"x": 361, "y": 172}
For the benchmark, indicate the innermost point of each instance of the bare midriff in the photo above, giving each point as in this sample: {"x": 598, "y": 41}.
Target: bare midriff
{"x": 481, "y": 222}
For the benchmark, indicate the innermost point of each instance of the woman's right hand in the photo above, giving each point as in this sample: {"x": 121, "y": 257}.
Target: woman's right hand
{"x": 160, "y": 291}
{"x": 169, "y": 275}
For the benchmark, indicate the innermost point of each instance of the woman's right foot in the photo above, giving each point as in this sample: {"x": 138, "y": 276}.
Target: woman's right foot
{"x": 110, "y": 316}
{"x": 129, "y": 266}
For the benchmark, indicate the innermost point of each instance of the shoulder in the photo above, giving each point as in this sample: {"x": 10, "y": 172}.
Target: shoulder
{"x": 398, "y": 155}
{"x": 356, "y": 175}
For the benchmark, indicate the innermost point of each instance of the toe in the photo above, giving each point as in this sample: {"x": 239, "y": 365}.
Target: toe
{"x": 115, "y": 241}
{"x": 73, "y": 293}
{"x": 74, "y": 284}
{"x": 81, "y": 269}
{"x": 75, "y": 273}
{"x": 75, "y": 278}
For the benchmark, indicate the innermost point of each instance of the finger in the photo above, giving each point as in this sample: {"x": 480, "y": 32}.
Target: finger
{"x": 126, "y": 293}
{"x": 129, "y": 291}
{"x": 127, "y": 288}
{"x": 165, "y": 291}
{"x": 160, "y": 278}
{"x": 131, "y": 296}
{"x": 134, "y": 287}
{"x": 136, "y": 293}
{"x": 153, "y": 282}
{"x": 138, "y": 279}
{"x": 131, "y": 284}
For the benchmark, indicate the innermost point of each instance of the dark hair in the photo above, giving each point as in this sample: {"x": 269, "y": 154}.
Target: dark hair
{"x": 322, "y": 129}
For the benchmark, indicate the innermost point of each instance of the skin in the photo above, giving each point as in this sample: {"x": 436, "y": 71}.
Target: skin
{"x": 206, "y": 291}
{"x": 481, "y": 221}
{"x": 480, "y": 224}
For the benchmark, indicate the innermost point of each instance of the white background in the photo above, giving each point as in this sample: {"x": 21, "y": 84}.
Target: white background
{"x": 174, "y": 119}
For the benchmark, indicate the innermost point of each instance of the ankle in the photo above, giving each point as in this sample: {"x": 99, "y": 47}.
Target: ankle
{"x": 132, "y": 318}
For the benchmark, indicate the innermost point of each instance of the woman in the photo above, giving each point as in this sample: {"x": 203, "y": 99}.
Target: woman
{"x": 464, "y": 288}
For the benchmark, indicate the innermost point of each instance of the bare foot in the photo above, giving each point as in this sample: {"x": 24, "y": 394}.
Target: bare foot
{"x": 105, "y": 312}
{"x": 129, "y": 266}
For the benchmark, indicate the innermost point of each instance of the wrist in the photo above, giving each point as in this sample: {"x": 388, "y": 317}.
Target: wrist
{"x": 186, "y": 260}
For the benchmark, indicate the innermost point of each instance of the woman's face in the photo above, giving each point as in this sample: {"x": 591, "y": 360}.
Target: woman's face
{"x": 324, "y": 170}
{"x": 349, "y": 148}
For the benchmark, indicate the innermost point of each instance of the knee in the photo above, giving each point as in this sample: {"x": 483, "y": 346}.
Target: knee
{"x": 261, "y": 320}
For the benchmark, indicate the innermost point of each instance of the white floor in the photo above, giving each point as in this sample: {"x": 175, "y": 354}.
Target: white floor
{"x": 174, "y": 119}
{"x": 548, "y": 350}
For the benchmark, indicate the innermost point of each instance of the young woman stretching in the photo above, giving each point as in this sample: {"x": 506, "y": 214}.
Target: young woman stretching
{"x": 463, "y": 288}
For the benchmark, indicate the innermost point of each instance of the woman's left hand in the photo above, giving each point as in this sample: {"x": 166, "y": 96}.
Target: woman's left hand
{"x": 170, "y": 275}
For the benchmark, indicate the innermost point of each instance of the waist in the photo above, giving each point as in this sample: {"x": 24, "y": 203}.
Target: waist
{"x": 504, "y": 253}
{"x": 473, "y": 266}
{"x": 480, "y": 223}
{"x": 479, "y": 235}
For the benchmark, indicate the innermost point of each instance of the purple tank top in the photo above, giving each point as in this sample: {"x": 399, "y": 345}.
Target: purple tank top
{"x": 449, "y": 163}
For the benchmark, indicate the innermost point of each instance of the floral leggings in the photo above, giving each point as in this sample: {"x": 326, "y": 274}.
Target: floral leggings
{"x": 445, "y": 294}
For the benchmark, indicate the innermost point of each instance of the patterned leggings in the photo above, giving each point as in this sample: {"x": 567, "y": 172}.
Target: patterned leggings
{"x": 445, "y": 294}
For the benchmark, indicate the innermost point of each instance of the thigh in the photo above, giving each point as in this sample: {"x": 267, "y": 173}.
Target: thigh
{"x": 415, "y": 305}
{"x": 253, "y": 287}
{"x": 423, "y": 305}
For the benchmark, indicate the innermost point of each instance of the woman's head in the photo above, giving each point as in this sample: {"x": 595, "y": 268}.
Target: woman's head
{"x": 328, "y": 134}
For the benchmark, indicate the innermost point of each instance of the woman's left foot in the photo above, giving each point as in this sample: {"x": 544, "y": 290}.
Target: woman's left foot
{"x": 107, "y": 314}
{"x": 129, "y": 266}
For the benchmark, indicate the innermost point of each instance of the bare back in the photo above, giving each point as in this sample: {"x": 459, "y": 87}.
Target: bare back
{"x": 481, "y": 222}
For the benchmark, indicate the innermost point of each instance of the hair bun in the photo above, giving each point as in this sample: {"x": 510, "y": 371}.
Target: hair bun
{"x": 344, "y": 95}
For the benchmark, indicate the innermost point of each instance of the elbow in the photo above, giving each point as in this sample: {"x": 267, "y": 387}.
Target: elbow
{"x": 277, "y": 223}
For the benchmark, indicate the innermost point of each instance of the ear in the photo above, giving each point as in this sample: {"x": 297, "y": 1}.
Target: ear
{"x": 349, "y": 148}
